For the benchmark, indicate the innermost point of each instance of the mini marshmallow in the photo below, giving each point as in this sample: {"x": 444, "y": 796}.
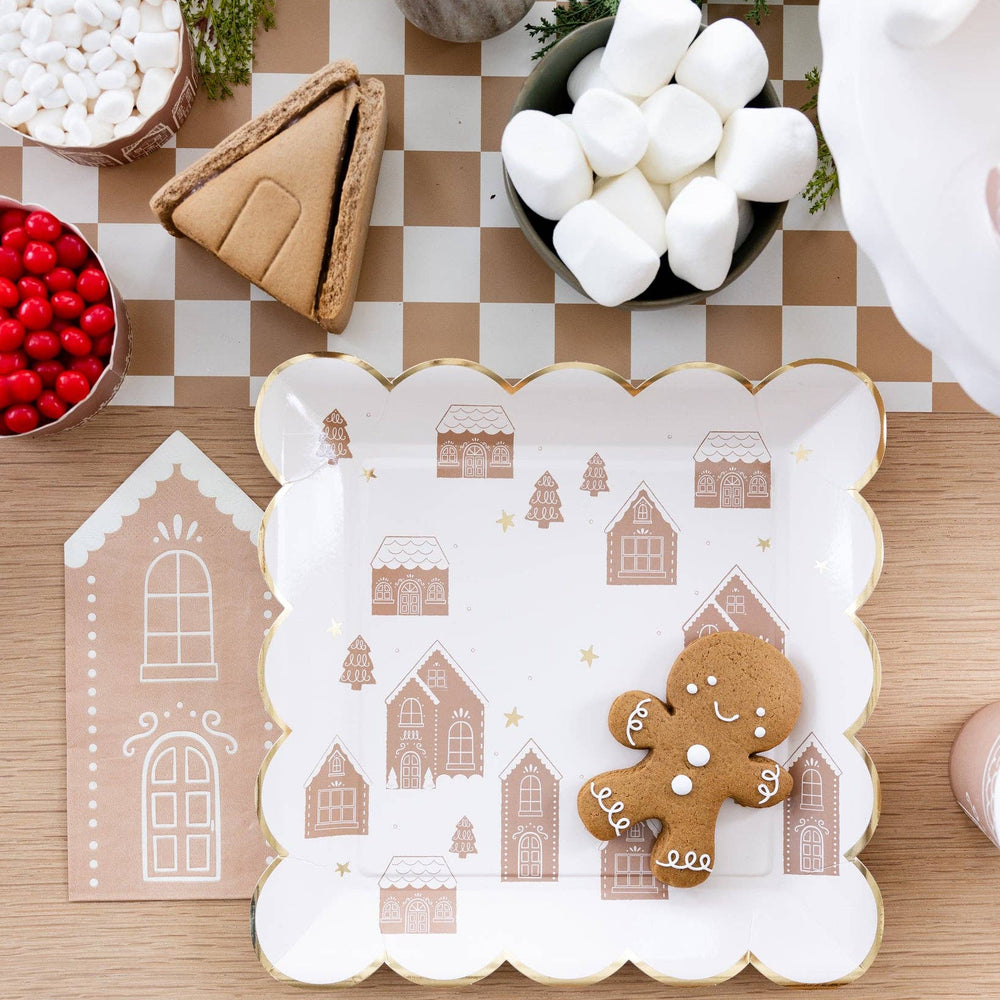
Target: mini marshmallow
{"x": 150, "y": 17}
{"x": 75, "y": 112}
{"x": 56, "y": 7}
{"x": 111, "y": 79}
{"x": 587, "y": 74}
{"x": 154, "y": 49}
{"x": 114, "y": 106}
{"x": 12, "y": 91}
{"x": 647, "y": 42}
{"x": 701, "y": 233}
{"x": 21, "y": 111}
{"x": 75, "y": 60}
{"x": 125, "y": 68}
{"x": 49, "y": 52}
{"x": 128, "y": 27}
{"x": 33, "y": 73}
{"x": 630, "y": 198}
{"x": 69, "y": 29}
{"x": 100, "y": 132}
{"x": 684, "y": 132}
{"x": 134, "y": 82}
{"x": 95, "y": 40}
{"x": 88, "y": 12}
{"x": 705, "y": 170}
{"x": 170, "y": 11}
{"x": 110, "y": 8}
{"x": 128, "y": 126}
{"x": 153, "y": 91}
{"x": 545, "y": 163}
{"x": 37, "y": 26}
{"x": 77, "y": 134}
{"x": 43, "y": 86}
{"x": 9, "y": 43}
{"x": 57, "y": 99}
{"x": 611, "y": 263}
{"x": 74, "y": 88}
{"x": 101, "y": 60}
{"x": 45, "y": 119}
{"x": 767, "y": 154}
{"x": 50, "y": 134}
{"x": 11, "y": 22}
{"x": 18, "y": 65}
{"x": 122, "y": 47}
{"x": 611, "y": 130}
{"x": 726, "y": 64}
{"x": 89, "y": 80}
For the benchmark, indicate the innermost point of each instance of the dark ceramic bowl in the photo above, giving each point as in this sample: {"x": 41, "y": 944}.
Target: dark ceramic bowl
{"x": 545, "y": 90}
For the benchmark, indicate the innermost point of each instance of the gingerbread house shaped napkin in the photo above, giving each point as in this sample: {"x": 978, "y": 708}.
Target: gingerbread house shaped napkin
{"x": 165, "y": 614}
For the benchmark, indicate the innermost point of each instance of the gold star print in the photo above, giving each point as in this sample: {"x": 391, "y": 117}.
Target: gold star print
{"x": 505, "y": 521}
{"x": 512, "y": 717}
{"x": 335, "y": 628}
{"x": 763, "y": 544}
{"x": 801, "y": 454}
{"x": 588, "y": 656}
{"x": 343, "y": 868}
{"x": 369, "y": 475}
{"x": 822, "y": 566}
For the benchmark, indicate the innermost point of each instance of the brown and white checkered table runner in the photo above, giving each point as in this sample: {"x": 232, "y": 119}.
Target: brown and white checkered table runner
{"x": 447, "y": 272}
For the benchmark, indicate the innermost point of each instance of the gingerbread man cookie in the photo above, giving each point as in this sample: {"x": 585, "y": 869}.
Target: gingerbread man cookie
{"x": 729, "y": 695}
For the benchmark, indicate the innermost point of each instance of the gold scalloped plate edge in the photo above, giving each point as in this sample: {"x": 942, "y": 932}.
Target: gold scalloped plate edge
{"x": 852, "y": 855}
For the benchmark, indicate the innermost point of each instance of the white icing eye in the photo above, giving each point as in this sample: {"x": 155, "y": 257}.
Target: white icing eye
{"x": 712, "y": 681}
{"x": 760, "y": 732}
{"x": 761, "y": 713}
{"x": 698, "y": 755}
{"x": 681, "y": 785}
{"x": 692, "y": 689}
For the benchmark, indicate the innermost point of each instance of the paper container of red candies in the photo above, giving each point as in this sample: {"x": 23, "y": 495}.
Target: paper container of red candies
{"x": 64, "y": 330}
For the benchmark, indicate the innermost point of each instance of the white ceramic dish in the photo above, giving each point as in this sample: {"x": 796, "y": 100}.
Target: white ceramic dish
{"x": 495, "y": 649}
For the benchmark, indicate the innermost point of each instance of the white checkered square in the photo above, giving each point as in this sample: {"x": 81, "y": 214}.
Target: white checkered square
{"x": 517, "y": 339}
{"x": 212, "y": 338}
{"x": 443, "y": 113}
{"x": 441, "y": 264}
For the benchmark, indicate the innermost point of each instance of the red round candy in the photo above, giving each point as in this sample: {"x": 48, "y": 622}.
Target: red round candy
{"x": 25, "y": 386}
{"x": 48, "y": 372}
{"x": 11, "y": 218}
{"x": 92, "y": 284}
{"x": 35, "y": 313}
{"x": 38, "y": 257}
{"x": 97, "y": 320}
{"x": 66, "y": 305}
{"x": 51, "y": 406}
{"x": 90, "y": 367}
{"x": 9, "y": 296}
{"x": 76, "y": 342}
{"x": 5, "y": 397}
{"x": 72, "y": 251}
{"x": 12, "y": 361}
{"x": 30, "y": 287}
{"x": 43, "y": 226}
{"x": 103, "y": 344}
{"x": 42, "y": 345}
{"x": 15, "y": 239}
{"x": 21, "y": 418}
{"x": 72, "y": 387}
{"x": 60, "y": 279}
{"x": 11, "y": 335}
{"x": 10, "y": 264}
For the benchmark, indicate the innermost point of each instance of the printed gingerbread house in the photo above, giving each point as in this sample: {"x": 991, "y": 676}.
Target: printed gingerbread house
{"x": 409, "y": 576}
{"x": 434, "y": 723}
{"x": 625, "y": 865}
{"x": 165, "y": 614}
{"x": 475, "y": 442}
{"x": 642, "y": 542}
{"x": 812, "y": 812}
{"x": 529, "y": 817}
{"x": 732, "y": 469}
{"x": 337, "y": 795}
{"x": 736, "y": 605}
{"x": 418, "y": 895}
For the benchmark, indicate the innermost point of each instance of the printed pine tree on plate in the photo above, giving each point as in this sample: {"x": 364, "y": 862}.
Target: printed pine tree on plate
{"x": 336, "y": 442}
{"x": 358, "y": 665}
{"x": 463, "y": 842}
{"x": 544, "y": 506}
{"x": 595, "y": 479}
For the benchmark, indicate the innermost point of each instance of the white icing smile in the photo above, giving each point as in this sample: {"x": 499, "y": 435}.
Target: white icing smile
{"x": 724, "y": 718}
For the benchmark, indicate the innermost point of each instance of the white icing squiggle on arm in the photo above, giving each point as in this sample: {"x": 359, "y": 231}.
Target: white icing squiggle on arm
{"x": 635, "y": 719}
{"x": 766, "y": 791}
{"x": 622, "y": 824}
{"x": 692, "y": 862}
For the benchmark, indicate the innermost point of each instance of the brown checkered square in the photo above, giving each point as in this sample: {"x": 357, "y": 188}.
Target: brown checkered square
{"x": 211, "y": 121}
{"x": 199, "y": 274}
{"x": 599, "y": 336}
{"x": 382, "y": 268}
{"x": 277, "y": 333}
{"x": 820, "y": 268}
{"x": 429, "y": 56}
{"x": 124, "y": 195}
{"x": 745, "y": 338}
{"x": 498, "y": 95}
{"x": 10, "y": 170}
{"x": 223, "y": 390}
{"x": 152, "y": 325}
{"x": 950, "y": 397}
{"x": 510, "y": 270}
{"x": 395, "y": 92}
{"x": 886, "y": 351}
{"x": 297, "y": 44}
{"x": 440, "y": 189}
{"x": 440, "y": 330}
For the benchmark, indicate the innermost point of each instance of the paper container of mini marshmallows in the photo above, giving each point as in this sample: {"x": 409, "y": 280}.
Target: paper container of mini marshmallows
{"x": 104, "y": 389}
{"x": 157, "y": 130}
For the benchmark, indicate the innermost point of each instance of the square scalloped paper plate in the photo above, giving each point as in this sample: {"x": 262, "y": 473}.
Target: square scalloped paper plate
{"x": 470, "y": 574}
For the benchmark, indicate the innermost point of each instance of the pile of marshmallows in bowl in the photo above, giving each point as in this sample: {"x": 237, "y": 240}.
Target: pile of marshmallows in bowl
{"x": 676, "y": 163}
{"x": 86, "y": 72}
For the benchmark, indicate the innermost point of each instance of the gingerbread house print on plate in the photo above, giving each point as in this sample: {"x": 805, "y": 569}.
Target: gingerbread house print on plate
{"x": 812, "y": 812}
{"x": 625, "y": 866}
{"x": 642, "y": 542}
{"x": 409, "y": 576}
{"x": 732, "y": 469}
{"x": 475, "y": 442}
{"x": 736, "y": 605}
{"x": 418, "y": 895}
{"x": 337, "y": 795}
{"x": 529, "y": 817}
{"x": 434, "y": 724}
{"x": 165, "y": 613}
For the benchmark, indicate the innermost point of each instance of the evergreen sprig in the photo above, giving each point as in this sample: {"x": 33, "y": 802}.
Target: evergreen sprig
{"x": 825, "y": 181}
{"x": 224, "y": 32}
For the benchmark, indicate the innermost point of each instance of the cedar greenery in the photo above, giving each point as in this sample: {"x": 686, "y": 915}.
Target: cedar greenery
{"x": 573, "y": 14}
{"x": 223, "y": 33}
{"x": 825, "y": 182}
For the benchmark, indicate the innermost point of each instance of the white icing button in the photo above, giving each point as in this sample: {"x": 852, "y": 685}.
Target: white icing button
{"x": 761, "y": 713}
{"x": 760, "y": 732}
{"x": 681, "y": 785}
{"x": 698, "y": 755}
{"x": 712, "y": 681}
{"x": 692, "y": 689}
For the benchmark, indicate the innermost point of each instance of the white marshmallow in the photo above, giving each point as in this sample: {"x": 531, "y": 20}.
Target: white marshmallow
{"x": 134, "y": 82}
{"x": 150, "y": 17}
{"x": 611, "y": 130}
{"x": 122, "y": 66}
{"x": 100, "y": 132}
{"x": 611, "y": 263}
{"x": 684, "y": 132}
{"x": 767, "y": 154}
{"x": 36, "y": 26}
{"x": 921, "y": 23}
{"x": 69, "y": 29}
{"x": 74, "y": 88}
{"x": 18, "y": 65}
{"x": 110, "y": 8}
{"x": 77, "y": 134}
{"x": 705, "y": 170}
{"x": 129, "y": 126}
{"x": 701, "y": 233}
{"x": 11, "y": 22}
{"x": 726, "y": 64}
{"x": 57, "y": 99}
{"x": 89, "y": 80}
{"x": 33, "y": 73}
{"x": 588, "y": 74}
{"x": 647, "y": 42}
{"x": 114, "y": 106}
{"x": 12, "y": 91}
{"x": 546, "y": 163}
{"x": 746, "y": 222}
{"x": 170, "y": 11}
{"x": 75, "y": 112}
{"x": 89, "y": 12}
{"x": 630, "y": 198}
{"x": 154, "y": 49}
{"x": 94, "y": 41}
{"x": 50, "y": 52}
{"x": 56, "y": 7}
{"x": 43, "y": 86}
{"x": 128, "y": 27}
{"x": 75, "y": 60}
{"x": 21, "y": 111}
{"x": 111, "y": 79}
{"x": 101, "y": 60}
{"x": 154, "y": 90}
{"x": 122, "y": 47}
{"x": 51, "y": 135}
{"x": 46, "y": 117}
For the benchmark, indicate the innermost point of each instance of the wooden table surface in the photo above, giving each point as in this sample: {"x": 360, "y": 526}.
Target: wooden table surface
{"x": 935, "y": 616}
